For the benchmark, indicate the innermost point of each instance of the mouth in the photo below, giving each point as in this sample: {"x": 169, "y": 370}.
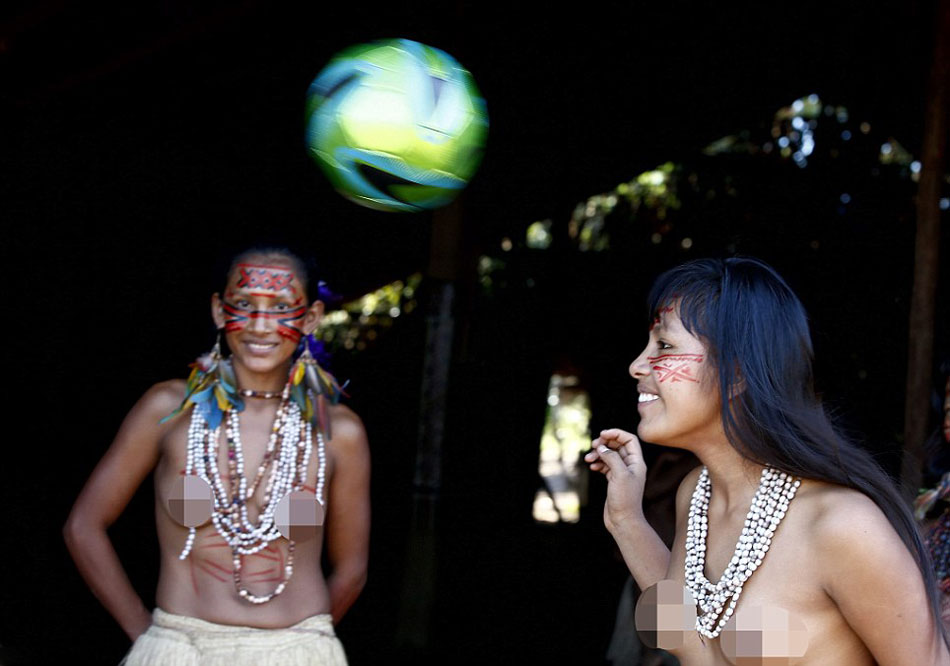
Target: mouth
{"x": 261, "y": 347}
{"x": 647, "y": 397}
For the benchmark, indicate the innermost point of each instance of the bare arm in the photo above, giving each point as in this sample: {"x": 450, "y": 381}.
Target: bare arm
{"x": 644, "y": 552}
{"x": 617, "y": 454}
{"x": 348, "y": 518}
{"x": 876, "y": 584}
{"x": 113, "y": 482}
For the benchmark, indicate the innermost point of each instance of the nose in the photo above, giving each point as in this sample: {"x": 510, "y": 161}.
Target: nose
{"x": 259, "y": 322}
{"x": 640, "y": 368}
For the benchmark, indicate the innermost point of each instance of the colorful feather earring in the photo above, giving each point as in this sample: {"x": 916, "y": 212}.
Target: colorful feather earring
{"x": 211, "y": 387}
{"x": 312, "y": 387}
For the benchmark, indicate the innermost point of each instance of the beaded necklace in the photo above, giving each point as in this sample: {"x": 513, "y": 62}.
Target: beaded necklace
{"x": 776, "y": 489}
{"x": 287, "y": 454}
{"x": 260, "y": 395}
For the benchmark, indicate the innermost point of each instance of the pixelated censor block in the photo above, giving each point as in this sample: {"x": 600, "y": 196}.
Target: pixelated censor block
{"x": 189, "y": 501}
{"x": 764, "y": 636}
{"x": 665, "y": 615}
{"x": 298, "y": 515}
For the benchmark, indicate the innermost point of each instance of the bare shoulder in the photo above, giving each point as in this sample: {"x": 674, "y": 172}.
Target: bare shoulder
{"x": 847, "y": 527}
{"x": 163, "y": 397}
{"x": 349, "y": 450}
{"x": 837, "y": 512}
{"x": 158, "y": 402}
{"x": 134, "y": 452}
{"x": 347, "y": 430}
{"x": 865, "y": 568}
{"x": 687, "y": 486}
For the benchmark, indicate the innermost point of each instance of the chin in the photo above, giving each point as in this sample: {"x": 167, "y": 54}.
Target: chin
{"x": 645, "y": 435}
{"x": 658, "y": 438}
{"x": 261, "y": 365}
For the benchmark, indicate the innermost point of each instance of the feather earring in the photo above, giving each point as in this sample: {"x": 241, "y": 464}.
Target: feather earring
{"x": 313, "y": 388}
{"x": 211, "y": 387}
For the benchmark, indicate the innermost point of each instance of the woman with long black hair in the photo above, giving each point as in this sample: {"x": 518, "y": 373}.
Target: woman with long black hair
{"x": 785, "y": 518}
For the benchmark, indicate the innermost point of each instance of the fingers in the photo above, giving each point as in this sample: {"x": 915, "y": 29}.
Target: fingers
{"x": 618, "y": 437}
{"x": 593, "y": 458}
{"x": 610, "y": 459}
{"x": 598, "y": 459}
{"x": 620, "y": 440}
{"x": 614, "y": 446}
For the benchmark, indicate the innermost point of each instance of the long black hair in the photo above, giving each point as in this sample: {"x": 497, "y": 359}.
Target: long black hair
{"x": 756, "y": 332}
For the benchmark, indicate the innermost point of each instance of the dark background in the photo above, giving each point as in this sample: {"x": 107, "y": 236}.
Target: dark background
{"x": 142, "y": 142}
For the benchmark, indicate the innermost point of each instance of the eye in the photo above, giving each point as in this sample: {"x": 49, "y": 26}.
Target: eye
{"x": 662, "y": 344}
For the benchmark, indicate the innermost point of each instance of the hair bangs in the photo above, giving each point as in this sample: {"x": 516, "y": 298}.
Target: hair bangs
{"x": 693, "y": 289}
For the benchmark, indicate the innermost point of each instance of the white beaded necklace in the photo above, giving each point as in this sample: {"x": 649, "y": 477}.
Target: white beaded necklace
{"x": 776, "y": 490}
{"x": 288, "y": 473}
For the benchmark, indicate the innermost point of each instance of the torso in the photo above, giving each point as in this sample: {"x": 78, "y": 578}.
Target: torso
{"x": 202, "y": 585}
{"x": 788, "y": 578}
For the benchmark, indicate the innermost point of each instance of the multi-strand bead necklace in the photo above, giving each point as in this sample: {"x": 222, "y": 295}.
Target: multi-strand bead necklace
{"x": 718, "y": 602}
{"x": 287, "y": 454}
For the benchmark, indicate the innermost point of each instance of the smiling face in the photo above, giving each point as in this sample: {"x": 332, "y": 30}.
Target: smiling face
{"x": 679, "y": 401}
{"x": 264, "y": 313}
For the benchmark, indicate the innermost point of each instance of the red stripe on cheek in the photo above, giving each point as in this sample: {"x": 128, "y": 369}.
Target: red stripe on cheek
{"x": 289, "y": 333}
{"x": 675, "y": 367}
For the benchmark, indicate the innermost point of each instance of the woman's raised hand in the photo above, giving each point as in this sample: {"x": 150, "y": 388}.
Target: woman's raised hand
{"x": 617, "y": 455}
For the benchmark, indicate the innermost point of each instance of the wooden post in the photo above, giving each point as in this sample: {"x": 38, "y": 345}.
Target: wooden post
{"x": 926, "y": 256}
{"x": 418, "y": 590}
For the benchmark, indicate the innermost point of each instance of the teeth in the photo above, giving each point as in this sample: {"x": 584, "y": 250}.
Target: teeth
{"x": 647, "y": 397}
{"x": 257, "y": 345}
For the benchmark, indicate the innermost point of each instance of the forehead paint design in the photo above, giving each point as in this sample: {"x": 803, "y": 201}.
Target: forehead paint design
{"x": 236, "y": 319}
{"x": 266, "y": 278}
{"x": 675, "y": 367}
{"x": 661, "y": 311}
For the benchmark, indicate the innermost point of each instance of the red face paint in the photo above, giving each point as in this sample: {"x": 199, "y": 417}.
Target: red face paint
{"x": 660, "y": 313}
{"x": 285, "y": 305}
{"x": 675, "y": 367}
{"x": 265, "y": 280}
{"x": 236, "y": 318}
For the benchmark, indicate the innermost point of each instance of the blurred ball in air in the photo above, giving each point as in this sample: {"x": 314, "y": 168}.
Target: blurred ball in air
{"x": 396, "y": 125}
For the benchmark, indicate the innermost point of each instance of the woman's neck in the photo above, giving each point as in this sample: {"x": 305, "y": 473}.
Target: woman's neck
{"x": 261, "y": 381}
{"x": 734, "y": 479}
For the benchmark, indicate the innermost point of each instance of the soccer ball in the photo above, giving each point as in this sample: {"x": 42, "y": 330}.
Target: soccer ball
{"x": 396, "y": 125}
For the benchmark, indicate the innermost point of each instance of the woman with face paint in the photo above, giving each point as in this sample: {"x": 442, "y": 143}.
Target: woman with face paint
{"x": 256, "y": 468}
{"x": 792, "y": 545}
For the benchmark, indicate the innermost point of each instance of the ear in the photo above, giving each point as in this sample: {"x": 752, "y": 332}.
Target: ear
{"x": 313, "y": 317}
{"x": 737, "y": 389}
{"x": 217, "y": 311}
{"x": 738, "y": 386}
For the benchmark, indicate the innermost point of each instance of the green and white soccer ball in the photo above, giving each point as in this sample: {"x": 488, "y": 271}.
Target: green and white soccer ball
{"x": 396, "y": 125}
